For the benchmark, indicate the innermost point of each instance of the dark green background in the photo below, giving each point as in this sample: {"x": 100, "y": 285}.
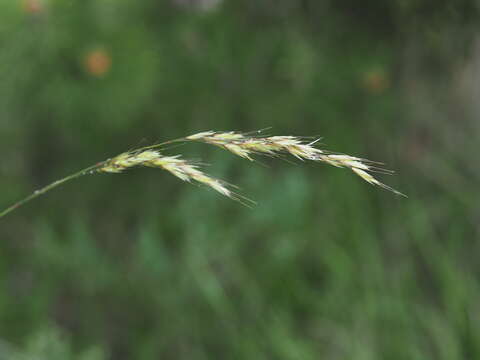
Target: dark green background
{"x": 141, "y": 266}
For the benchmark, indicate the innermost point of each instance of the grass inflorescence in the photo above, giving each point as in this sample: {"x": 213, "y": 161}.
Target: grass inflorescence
{"x": 244, "y": 145}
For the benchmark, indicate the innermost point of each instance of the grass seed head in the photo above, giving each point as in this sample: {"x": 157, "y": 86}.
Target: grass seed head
{"x": 178, "y": 167}
{"x": 240, "y": 144}
{"x": 246, "y": 146}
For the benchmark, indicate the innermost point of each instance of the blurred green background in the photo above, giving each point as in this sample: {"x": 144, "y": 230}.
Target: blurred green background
{"x": 142, "y": 266}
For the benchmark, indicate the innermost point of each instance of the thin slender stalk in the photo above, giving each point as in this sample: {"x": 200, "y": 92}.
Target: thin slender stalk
{"x": 51, "y": 186}
{"x": 156, "y": 146}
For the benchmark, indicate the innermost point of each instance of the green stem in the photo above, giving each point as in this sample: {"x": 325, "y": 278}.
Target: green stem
{"x": 161, "y": 144}
{"x": 53, "y": 185}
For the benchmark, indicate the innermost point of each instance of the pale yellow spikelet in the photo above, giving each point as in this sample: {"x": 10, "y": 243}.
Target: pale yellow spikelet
{"x": 116, "y": 165}
{"x": 172, "y": 164}
{"x": 253, "y": 145}
{"x": 204, "y": 134}
{"x": 365, "y": 176}
{"x": 370, "y": 179}
{"x": 239, "y": 150}
{"x": 346, "y": 161}
{"x": 303, "y": 151}
{"x": 188, "y": 172}
{"x": 129, "y": 159}
{"x": 215, "y": 184}
{"x": 217, "y": 138}
{"x": 110, "y": 169}
{"x": 227, "y": 136}
{"x": 284, "y": 141}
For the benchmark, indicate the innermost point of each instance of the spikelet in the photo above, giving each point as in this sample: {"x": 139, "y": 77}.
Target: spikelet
{"x": 178, "y": 167}
{"x": 246, "y": 146}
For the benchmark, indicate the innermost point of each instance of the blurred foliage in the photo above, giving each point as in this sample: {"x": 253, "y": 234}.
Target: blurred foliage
{"x": 142, "y": 266}
{"x": 48, "y": 343}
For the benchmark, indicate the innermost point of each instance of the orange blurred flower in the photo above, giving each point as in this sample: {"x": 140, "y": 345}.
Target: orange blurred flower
{"x": 97, "y": 62}
{"x": 32, "y": 6}
{"x": 376, "y": 81}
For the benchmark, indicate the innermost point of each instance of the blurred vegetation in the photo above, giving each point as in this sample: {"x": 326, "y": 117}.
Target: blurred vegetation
{"x": 142, "y": 266}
